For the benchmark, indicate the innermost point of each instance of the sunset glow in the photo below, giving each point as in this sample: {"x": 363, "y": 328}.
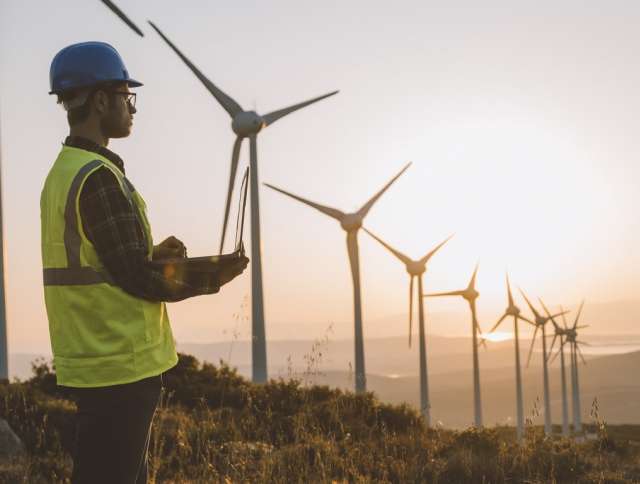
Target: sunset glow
{"x": 525, "y": 154}
{"x": 497, "y": 336}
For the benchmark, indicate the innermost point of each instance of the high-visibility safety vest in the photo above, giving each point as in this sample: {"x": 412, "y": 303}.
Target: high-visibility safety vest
{"x": 100, "y": 335}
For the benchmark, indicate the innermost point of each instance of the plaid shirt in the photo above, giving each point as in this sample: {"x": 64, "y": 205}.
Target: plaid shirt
{"x": 111, "y": 224}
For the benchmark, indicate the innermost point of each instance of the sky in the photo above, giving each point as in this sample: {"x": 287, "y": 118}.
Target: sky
{"x": 519, "y": 119}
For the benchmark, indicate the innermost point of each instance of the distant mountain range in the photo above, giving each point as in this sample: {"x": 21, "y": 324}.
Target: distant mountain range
{"x": 611, "y": 379}
{"x": 621, "y": 317}
{"x": 392, "y": 369}
{"x": 389, "y": 356}
{"x": 392, "y": 374}
{"x": 383, "y": 356}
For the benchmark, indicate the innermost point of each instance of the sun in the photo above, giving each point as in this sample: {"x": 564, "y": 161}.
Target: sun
{"x": 498, "y": 336}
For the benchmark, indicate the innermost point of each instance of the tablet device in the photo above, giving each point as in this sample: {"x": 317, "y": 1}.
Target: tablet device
{"x": 215, "y": 263}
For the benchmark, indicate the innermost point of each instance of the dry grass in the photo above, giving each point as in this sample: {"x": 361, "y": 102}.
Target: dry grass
{"x": 214, "y": 426}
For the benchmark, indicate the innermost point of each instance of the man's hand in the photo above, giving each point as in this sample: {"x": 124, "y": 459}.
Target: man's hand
{"x": 232, "y": 270}
{"x": 168, "y": 248}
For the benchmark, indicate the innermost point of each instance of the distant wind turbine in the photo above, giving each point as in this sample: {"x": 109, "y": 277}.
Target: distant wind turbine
{"x": 471, "y": 295}
{"x": 246, "y": 124}
{"x": 540, "y": 322}
{"x": 560, "y": 332}
{"x": 514, "y": 311}
{"x": 114, "y": 8}
{"x": 416, "y": 269}
{"x": 571, "y": 336}
{"x": 351, "y": 223}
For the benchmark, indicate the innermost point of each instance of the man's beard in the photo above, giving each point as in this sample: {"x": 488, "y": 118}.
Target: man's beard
{"x": 112, "y": 126}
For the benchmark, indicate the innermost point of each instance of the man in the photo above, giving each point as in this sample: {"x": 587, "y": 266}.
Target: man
{"x": 105, "y": 284}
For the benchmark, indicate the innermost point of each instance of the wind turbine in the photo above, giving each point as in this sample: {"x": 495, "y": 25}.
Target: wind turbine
{"x": 351, "y": 223}
{"x": 416, "y": 269}
{"x": 4, "y": 351}
{"x": 560, "y": 331}
{"x": 246, "y": 124}
{"x": 540, "y": 322}
{"x": 470, "y": 295}
{"x": 114, "y": 8}
{"x": 514, "y": 311}
{"x": 571, "y": 336}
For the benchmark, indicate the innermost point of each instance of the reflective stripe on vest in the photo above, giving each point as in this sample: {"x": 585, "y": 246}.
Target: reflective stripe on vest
{"x": 74, "y": 274}
{"x": 77, "y": 276}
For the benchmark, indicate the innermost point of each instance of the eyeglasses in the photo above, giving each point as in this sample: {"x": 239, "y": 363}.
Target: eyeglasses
{"x": 130, "y": 97}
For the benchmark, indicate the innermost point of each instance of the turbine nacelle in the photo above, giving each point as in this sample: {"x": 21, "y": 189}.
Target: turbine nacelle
{"x": 513, "y": 311}
{"x": 541, "y": 321}
{"x": 416, "y": 268}
{"x": 247, "y": 123}
{"x": 351, "y": 222}
{"x": 470, "y": 294}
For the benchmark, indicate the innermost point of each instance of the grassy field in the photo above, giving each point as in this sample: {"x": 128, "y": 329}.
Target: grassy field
{"x": 214, "y": 426}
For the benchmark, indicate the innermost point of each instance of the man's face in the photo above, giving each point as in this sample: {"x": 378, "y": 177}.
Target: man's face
{"x": 118, "y": 119}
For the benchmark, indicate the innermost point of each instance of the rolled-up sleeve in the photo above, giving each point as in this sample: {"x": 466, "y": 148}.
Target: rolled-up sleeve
{"x": 110, "y": 223}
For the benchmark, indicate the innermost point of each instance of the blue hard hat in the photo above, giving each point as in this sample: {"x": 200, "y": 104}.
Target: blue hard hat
{"x": 87, "y": 64}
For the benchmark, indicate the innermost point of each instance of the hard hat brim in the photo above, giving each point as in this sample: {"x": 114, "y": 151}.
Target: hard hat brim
{"x": 130, "y": 83}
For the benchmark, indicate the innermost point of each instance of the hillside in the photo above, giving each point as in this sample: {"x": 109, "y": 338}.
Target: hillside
{"x": 214, "y": 426}
{"x": 612, "y": 379}
{"x": 389, "y": 356}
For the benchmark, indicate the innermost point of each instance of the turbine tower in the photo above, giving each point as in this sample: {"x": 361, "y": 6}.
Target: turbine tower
{"x": 351, "y": 223}
{"x": 247, "y": 124}
{"x": 416, "y": 269}
{"x": 560, "y": 332}
{"x": 514, "y": 311}
{"x": 471, "y": 295}
{"x": 4, "y": 351}
{"x": 540, "y": 322}
{"x": 114, "y": 8}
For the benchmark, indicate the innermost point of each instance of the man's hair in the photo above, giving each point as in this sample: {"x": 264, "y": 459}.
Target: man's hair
{"x": 77, "y": 102}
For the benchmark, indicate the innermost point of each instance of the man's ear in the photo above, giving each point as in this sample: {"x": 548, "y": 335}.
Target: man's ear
{"x": 101, "y": 102}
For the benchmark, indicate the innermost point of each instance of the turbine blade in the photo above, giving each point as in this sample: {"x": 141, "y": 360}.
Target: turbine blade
{"x": 438, "y": 294}
{"x": 232, "y": 179}
{"x": 367, "y": 206}
{"x": 553, "y": 343}
{"x": 533, "y": 340}
{"x": 476, "y": 325}
{"x": 533, "y": 310}
{"x": 560, "y": 314}
{"x": 564, "y": 320}
{"x": 426, "y": 258}
{"x": 331, "y": 212}
{"x": 272, "y": 117}
{"x": 510, "y": 295}
{"x": 227, "y": 102}
{"x": 556, "y": 355}
{"x": 581, "y": 355}
{"x": 472, "y": 283}
{"x": 354, "y": 260}
{"x": 555, "y": 325}
{"x": 582, "y": 326}
{"x": 498, "y": 323}
{"x": 482, "y": 340}
{"x": 397, "y": 253}
{"x": 527, "y": 320}
{"x": 544, "y": 307}
{"x": 575, "y": 323}
{"x": 410, "y": 309}
{"x": 123, "y": 17}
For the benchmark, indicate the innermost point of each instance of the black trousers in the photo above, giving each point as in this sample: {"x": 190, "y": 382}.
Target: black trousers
{"x": 113, "y": 428}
